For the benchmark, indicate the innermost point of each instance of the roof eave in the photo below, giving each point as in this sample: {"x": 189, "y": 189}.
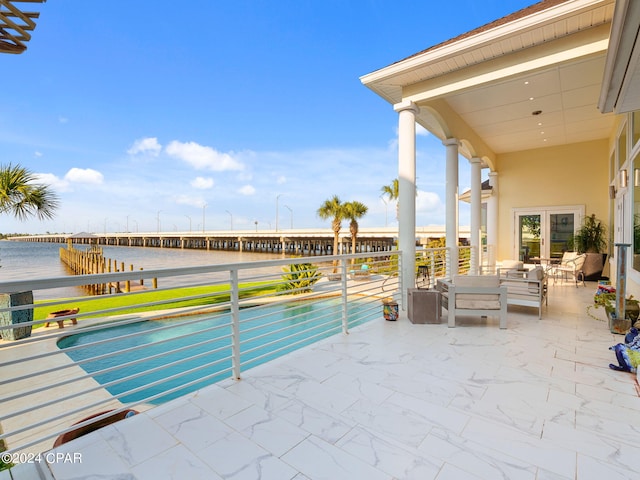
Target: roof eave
{"x": 622, "y": 55}
{"x": 375, "y": 80}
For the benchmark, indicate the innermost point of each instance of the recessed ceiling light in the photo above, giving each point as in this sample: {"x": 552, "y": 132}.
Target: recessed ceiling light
{"x": 526, "y": 83}
{"x": 541, "y": 133}
{"x": 530, "y": 98}
{"x": 539, "y": 124}
{"x": 544, "y": 140}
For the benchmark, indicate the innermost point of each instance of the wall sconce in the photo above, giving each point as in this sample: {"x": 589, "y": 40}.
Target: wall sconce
{"x": 623, "y": 178}
{"x": 636, "y": 177}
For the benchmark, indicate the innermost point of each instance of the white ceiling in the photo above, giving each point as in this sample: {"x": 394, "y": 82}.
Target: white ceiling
{"x": 566, "y": 90}
{"x": 566, "y": 95}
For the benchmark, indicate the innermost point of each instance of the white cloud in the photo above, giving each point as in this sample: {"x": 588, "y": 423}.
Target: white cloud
{"x": 281, "y": 179}
{"x": 202, "y": 183}
{"x": 428, "y": 201}
{"x": 54, "y": 181}
{"x": 247, "y": 190}
{"x": 202, "y": 157}
{"x": 37, "y": 154}
{"x": 187, "y": 200}
{"x": 84, "y": 175}
{"x": 63, "y": 120}
{"x": 147, "y": 145}
{"x": 244, "y": 176}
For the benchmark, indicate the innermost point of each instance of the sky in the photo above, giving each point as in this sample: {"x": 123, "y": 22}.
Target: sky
{"x": 154, "y": 116}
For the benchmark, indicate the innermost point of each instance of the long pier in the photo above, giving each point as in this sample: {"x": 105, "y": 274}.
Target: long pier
{"x": 295, "y": 242}
{"x": 92, "y": 261}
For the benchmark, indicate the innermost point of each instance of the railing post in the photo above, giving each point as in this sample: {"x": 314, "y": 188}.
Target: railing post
{"x": 432, "y": 279}
{"x": 345, "y": 300}
{"x": 473, "y": 259}
{"x": 235, "y": 323}
{"x": 621, "y": 280}
{"x": 403, "y": 293}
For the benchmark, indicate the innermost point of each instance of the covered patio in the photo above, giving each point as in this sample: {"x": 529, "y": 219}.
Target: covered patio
{"x": 518, "y": 99}
{"x": 395, "y": 400}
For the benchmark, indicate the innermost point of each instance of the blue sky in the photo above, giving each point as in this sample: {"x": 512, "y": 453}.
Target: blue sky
{"x": 138, "y": 114}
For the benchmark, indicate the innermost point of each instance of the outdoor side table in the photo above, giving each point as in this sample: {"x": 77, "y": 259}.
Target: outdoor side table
{"x": 424, "y": 305}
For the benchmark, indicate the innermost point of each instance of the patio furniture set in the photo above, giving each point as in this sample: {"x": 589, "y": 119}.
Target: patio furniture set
{"x": 489, "y": 295}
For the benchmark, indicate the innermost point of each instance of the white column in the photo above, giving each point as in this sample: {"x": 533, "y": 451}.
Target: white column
{"x": 476, "y": 212}
{"x": 492, "y": 218}
{"x": 451, "y": 202}
{"x": 407, "y": 192}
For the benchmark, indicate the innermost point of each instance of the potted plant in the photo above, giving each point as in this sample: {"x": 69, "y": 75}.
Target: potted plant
{"x": 591, "y": 239}
{"x": 607, "y": 300}
{"x": 390, "y": 309}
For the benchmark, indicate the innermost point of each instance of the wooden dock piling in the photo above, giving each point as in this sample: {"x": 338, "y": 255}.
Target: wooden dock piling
{"x": 92, "y": 261}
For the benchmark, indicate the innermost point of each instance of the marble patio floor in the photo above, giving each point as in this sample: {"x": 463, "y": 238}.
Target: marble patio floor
{"x": 393, "y": 400}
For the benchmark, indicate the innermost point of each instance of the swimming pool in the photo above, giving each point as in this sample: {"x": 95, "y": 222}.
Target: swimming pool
{"x": 135, "y": 368}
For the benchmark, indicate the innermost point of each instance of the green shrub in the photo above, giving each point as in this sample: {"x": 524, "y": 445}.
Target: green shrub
{"x": 4, "y": 465}
{"x": 299, "y": 277}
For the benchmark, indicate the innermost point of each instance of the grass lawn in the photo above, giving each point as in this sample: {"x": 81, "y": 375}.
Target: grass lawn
{"x": 174, "y": 298}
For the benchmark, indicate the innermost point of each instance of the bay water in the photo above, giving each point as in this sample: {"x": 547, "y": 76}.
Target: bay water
{"x": 35, "y": 260}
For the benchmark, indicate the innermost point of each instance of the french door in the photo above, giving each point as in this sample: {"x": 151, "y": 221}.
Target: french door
{"x": 545, "y": 232}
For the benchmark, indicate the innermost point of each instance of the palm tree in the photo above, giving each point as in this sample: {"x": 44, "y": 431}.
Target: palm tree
{"x": 353, "y": 211}
{"x": 392, "y": 192}
{"x": 333, "y": 208}
{"x": 21, "y": 197}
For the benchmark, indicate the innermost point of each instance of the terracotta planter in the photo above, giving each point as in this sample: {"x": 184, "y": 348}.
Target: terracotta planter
{"x": 593, "y": 266}
{"x": 79, "y": 432}
{"x": 619, "y": 326}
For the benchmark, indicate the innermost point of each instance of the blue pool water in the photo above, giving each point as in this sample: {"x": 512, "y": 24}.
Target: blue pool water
{"x": 303, "y": 324}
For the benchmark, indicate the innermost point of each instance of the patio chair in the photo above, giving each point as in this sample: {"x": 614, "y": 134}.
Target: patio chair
{"x": 362, "y": 273}
{"x": 474, "y": 295}
{"x": 526, "y": 288}
{"x": 570, "y": 266}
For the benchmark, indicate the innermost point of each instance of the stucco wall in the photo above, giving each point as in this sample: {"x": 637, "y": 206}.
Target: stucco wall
{"x": 575, "y": 174}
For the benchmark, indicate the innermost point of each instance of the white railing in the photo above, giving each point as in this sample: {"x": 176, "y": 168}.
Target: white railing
{"x": 437, "y": 262}
{"x": 134, "y": 350}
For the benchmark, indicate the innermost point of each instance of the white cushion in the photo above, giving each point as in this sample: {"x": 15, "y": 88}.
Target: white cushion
{"x": 579, "y": 262}
{"x": 568, "y": 257}
{"x": 536, "y": 273}
{"x": 485, "y": 303}
{"x": 476, "y": 280}
{"x": 511, "y": 264}
{"x": 479, "y": 301}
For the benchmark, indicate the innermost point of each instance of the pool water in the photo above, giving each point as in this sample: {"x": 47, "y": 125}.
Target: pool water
{"x": 303, "y": 324}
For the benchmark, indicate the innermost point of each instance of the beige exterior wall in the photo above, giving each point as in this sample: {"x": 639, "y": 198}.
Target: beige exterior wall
{"x": 575, "y": 174}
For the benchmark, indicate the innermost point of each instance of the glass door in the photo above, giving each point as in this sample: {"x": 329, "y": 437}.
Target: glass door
{"x": 545, "y": 232}
{"x": 529, "y": 239}
{"x": 561, "y": 229}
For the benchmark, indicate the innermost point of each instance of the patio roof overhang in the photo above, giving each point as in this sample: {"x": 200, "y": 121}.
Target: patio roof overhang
{"x": 529, "y": 80}
{"x": 16, "y": 25}
{"x": 621, "y": 85}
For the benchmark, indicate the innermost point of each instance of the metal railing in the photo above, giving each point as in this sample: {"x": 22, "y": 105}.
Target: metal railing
{"x": 138, "y": 349}
{"x": 437, "y": 262}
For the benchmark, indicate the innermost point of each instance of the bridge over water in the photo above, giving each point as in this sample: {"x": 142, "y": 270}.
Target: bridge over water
{"x": 294, "y": 241}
